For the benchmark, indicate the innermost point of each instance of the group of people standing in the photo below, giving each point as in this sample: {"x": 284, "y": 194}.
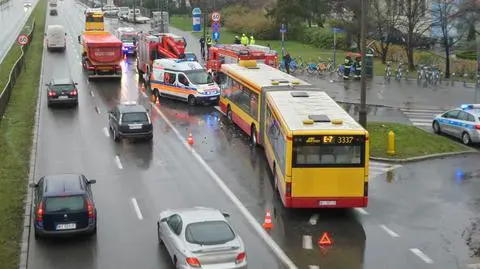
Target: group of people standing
{"x": 244, "y": 40}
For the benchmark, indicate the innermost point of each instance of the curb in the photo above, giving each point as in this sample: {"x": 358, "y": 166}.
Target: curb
{"x": 425, "y": 157}
{"x": 31, "y": 178}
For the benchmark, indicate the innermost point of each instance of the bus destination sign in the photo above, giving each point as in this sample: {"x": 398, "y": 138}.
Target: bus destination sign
{"x": 330, "y": 139}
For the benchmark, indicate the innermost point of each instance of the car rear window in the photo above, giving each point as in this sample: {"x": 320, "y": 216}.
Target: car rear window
{"x": 64, "y": 203}
{"x": 63, "y": 87}
{"x": 134, "y": 117}
{"x": 209, "y": 233}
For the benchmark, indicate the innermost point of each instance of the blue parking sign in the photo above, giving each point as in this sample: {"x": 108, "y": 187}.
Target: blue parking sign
{"x": 216, "y": 36}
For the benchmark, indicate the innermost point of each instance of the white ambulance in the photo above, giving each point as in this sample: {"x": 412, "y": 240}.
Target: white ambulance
{"x": 183, "y": 80}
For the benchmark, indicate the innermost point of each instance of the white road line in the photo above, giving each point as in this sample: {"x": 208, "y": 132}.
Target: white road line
{"x": 307, "y": 242}
{"x": 421, "y": 120}
{"x": 425, "y": 114}
{"x": 97, "y": 109}
{"x": 313, "y": 267}
{"x": 248, "y": 216}
{"x": 105, "y": 132}
{"x": 91, "y": 94}
{"x": 421, "y": 255}
{"x": 421, "y": 124}
{"x": 313, "y": 219}
{"x": 119, "y": 163}
{"x": 389, "y": 231}
{"x": 137, "y": 209}
{"x": 420, "y": 110}
{"x": 361, "y": 210}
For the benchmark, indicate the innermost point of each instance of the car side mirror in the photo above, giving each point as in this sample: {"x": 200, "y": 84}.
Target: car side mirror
{"x": 163, "y": 220}
{"x": 33, "y": 185}
{"x": 92, "y": 181}
{"x": 76, "y": 83}
{"x": 226, "y": 215}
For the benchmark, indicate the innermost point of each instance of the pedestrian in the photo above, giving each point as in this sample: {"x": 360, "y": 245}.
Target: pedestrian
{"x": 209, "y": 44}
{"x": 237, "y": 40}
{"x": 244, "y": 40}
{"x": 202, "y": 47}
{"x": 347, "y": 66}
{"x": 252, "y": 40}
{"x": 287, "y": 59}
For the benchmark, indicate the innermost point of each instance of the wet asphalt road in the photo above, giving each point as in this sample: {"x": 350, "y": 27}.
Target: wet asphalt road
{"x": 417, "y": 206}
{"x": 12, "y": 18}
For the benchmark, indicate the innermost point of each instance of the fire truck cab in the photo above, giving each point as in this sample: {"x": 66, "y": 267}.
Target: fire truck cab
{"x": 152, "y": 46}
{"x": 233, "y": 53}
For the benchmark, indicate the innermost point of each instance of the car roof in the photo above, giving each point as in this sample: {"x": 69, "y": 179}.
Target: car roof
{"x": 61, "y": 81}
{"x": 198, "y": 214}
{"x": 126, "y": 108}
{"x": 61, "y": 184}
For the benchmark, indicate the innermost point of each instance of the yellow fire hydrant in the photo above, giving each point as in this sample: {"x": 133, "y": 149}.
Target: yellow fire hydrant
{"x": 391, "y": 143}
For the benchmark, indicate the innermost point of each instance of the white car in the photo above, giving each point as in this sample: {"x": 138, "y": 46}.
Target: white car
{"x": 200, "y": 237}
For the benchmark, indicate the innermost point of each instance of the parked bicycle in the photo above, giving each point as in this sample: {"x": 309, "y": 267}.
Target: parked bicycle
{"x": 388, "y": 71}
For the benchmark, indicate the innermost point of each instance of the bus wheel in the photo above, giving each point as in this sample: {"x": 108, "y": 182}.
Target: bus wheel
{"x": 253, "y": 135}
{"x": 229, "y": 114}
{"x": 191, "y": 100}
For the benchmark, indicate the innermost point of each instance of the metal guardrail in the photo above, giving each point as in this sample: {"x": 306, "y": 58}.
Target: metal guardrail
{"x": 14, "y": 74}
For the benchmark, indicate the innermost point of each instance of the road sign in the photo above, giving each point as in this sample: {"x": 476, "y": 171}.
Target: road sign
{"x": 196, "y": 11}
{"x": 283, "y": 28}
{"x": 215, "y": 27}
{"x": 216, "y": 17}
{"x": 338, "y": 30}
{"x": 325, "y": 240}
{"x": 23, "y": 40}
{"x": 216, "y": 36}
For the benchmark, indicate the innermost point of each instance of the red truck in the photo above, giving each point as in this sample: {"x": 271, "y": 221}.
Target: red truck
{"x": 232, "y": 53}
{"x": 101, "y": 54}
{"x": 152, "y": 46}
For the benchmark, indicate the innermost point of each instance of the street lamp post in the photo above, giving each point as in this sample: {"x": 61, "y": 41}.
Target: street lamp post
{"x": 477, "y": 79}
{"x": 363, "y": 81}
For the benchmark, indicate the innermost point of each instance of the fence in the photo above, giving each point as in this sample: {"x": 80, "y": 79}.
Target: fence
{"x": 14, "y": 74}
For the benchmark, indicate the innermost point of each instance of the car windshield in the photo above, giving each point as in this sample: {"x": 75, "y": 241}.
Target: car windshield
{"x": 128, "y": 38}
{"x": 64, "y": 203}
{"x": 63, "y": 87}
{"x": 209, "y": 233}
{"x": 134, "y": 117}
{"x": 199, "y": 77}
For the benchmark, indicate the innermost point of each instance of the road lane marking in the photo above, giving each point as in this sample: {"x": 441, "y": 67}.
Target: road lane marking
{"x": 421, "y": 255}
{"x": 307, "y": 242}
{"x": 248, "y": 216}
{"x": 91, "y": 93}
{"x": 361, "y": 210}
{"x": 313, "y": 267}
{"x": 105, "y": 132}
{"x": 97, "y": 109}
{"x": 313, "y": 219}
{"x": 389, "y": 231}
{"x": 119, "y": 163}
{"x": 137, "y": 209}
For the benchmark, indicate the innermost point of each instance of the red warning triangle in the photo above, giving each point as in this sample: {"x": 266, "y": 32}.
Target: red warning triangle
{"x": 325, "y": 239}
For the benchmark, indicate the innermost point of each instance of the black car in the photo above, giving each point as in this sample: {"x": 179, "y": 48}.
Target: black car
{"x": 190, "y": 56}
{"x": 64, "y": 205}
{"x": 130, "y": 121}
{"x": 62, "y": 91}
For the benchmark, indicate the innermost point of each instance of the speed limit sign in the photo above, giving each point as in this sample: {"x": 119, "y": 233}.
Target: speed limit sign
{"x": 215, "y": 16}
{"x": 22, "y": 40}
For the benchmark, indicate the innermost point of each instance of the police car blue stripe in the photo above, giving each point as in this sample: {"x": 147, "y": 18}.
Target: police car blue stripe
{"x": 456, "y": 123}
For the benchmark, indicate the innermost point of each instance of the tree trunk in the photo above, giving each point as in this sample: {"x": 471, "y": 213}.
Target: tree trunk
{"x": 411, "y": 64}
{"x": 447, "y": 61}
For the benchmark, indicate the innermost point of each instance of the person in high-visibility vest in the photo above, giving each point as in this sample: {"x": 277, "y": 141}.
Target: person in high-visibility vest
{"x": 252, "y": 40}
{"x": 209, "y": 44}
{"x": 244, "y": 40}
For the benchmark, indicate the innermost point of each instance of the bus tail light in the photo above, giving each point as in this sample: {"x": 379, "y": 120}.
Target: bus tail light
{"x": 288, "y": 189}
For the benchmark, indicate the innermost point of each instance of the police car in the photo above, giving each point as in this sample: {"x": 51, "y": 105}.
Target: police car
{"x": 462, "y": 123}
{"x": 183, "y": 80}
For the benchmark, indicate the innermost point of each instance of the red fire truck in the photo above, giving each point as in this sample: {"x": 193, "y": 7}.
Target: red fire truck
{"x": 152, "y": 46}
{"x": 232, "y": 53}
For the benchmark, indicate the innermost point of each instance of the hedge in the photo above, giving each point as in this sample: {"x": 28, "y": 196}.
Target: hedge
{"x": 467, "y": 55}
{"x": 322, "y": 38}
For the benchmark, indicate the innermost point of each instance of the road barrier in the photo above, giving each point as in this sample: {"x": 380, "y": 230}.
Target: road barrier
{"x": 14, "y": 74}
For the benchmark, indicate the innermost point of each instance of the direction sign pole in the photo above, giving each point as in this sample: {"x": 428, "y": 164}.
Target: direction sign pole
{"x": 334, "y": 48}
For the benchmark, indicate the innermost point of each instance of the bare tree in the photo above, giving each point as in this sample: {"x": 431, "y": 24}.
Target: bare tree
{"x": 445, "y": 17}
{"x": 386, "y": 21}
{"x": 414, "y": 24}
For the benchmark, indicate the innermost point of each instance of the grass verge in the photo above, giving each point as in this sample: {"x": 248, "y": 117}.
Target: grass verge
{"x": 309, "y": 53}
{"x": 409, "y": 141}
{"x": 15, "y": 146}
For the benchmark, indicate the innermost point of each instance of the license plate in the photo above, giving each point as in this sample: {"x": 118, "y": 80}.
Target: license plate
{"x": 63, "y": 97}
{"x": 326, "y": 203}
{"x": 134, "y": 126}
{"x": 213, "y": 98}
{"x": 104, "y": 70}
{"x": 67, "y": 226}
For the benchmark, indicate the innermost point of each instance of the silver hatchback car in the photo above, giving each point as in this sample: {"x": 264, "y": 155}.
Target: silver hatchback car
{"x": 462, "y": 123}
{"x": 200, "y": 237}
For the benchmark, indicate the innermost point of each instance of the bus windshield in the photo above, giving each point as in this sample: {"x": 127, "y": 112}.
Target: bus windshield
{"x": 199, "y": 77}
{"x": 328, "y": 151}
{"x": 128, "y": 38}
{"x": 94, "y": 19}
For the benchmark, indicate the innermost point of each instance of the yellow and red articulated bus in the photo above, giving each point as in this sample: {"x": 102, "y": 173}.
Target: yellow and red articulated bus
{"x": 317, "y": 152}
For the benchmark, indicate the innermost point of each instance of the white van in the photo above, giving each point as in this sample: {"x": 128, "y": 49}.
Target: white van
{"x": 184, "y": 80}
{"x": 56, "y": 38}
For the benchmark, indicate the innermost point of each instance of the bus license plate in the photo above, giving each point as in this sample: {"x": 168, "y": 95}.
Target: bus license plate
{"x": 67, "y": 226}
{"x": 327, "y": 203}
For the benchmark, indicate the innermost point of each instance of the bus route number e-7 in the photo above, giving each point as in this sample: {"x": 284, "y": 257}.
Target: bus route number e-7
{"x": 330, "y": 139}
